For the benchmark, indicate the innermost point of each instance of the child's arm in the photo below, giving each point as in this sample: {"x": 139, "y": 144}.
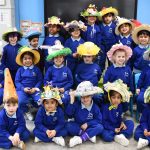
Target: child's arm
{"x": 48, "y": 76}
{"x": 107, "y": 76}
{"x": 141, "y": 80}
{"x": 144, "y": 118}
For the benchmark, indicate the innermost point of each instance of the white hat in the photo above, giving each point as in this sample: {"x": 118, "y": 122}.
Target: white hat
{"x": 147, "y": 95}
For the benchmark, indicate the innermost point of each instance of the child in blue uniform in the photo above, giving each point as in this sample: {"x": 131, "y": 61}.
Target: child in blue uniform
{"x": 49, "y": 121}
{"x": 12, "y": 36}
{"x": 59, "y": 75}
{"x": 54, "y": 25}
{"x": 28, "y": 79}
{"x": 74, "y": 28}
{"x": 119, "y": 55}
{"x": 142, "y": 132}
{"x": 114, "y": 127}
{"x": 13, "y": 131}
{"x": 87, "y": 116}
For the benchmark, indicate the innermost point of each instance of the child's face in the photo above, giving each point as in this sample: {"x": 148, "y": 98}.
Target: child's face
{"x": 120, "y": 58}
{"x": 53, "y": 29}
{"x": 76, "y": 33}
{"x": 143, "y": 39}
{"x": 11, "y": 108}
{"x": 108, "y": 18}
{"x": 50, "y": 105}
{"x": 91, "y": 20}
{"x": 34, "y": 42}
{"x": 125, "y": 29}
{"x": 27, "y": 60}
{"x": 58, "y": 61}
{"x": 88, "y": 59}
{"x": 13, "y": 38}
{"x": 86, "y": 100}
{"x": 115, "y": 99}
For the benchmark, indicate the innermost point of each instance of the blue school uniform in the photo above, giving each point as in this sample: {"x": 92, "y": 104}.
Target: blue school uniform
{"x": 91, "y": 115}
{"x": 9, "y": 58}
{"x": 30, "y": 77}
{"x": 49, "y": 121}
{"x": 112, "y": 119}
{"x": 9, "y": 125}
{"x": 72, "y": 44}
{"x": 144, "y": 124}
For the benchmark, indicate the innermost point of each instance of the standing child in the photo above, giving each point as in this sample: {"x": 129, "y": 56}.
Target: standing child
{"x": 28, "y": 79}
{"x": 87, "y": 116}
{"x": 114, "y": 127}
{"x": 12, "y": 36}
{"x": 49, "y": 121}
{"x": 13, "y": 131}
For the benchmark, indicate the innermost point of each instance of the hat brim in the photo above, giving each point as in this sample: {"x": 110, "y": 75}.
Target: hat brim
{"x": 86, "y": 14}
{"x": 48, "y": 24}
{"x": 34, "y": 52}
{"x": 33, "y": 34}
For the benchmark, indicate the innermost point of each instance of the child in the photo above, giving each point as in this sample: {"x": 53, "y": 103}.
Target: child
{"x": 74, "y": 28}
{"x": 142, "y": 132}
{"x": 54, "y": 25}
{"x": 33, "y": 39}
{"x": 28, "y": 79}
{"x": 87, "y": 116}
{"x": 114, "y": 127}
{"x": 59, "y": 75}
{"x": 49, "y": 121}
{"x": 13, "y": 131}
{"x": 12, "y": 36}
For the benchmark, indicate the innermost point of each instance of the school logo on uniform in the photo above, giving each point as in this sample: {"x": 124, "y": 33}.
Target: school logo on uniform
{"x": 1, "y": 72}
{"x": 90, "y": 116}
{"x": 117, "y": 114}
{"x": 55, "y": 118}
{"x": 64, "y": 74}
{"x": 128, "y": 42}
{"x": 34, "y": 74}
{"x": 95, "y": 71}
{"x": 110, "y": 30}
{"x": 15, "y": 123}
{"x": 126, "y": 74}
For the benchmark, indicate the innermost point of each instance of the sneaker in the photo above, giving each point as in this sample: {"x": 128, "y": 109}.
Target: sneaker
{"x": 59, "y": 140}
{"x": 22, "y": 145}
{"x": 121, "y": 139}
{"x": 75, "y": 141}
{"x": 142, "y": 143}
{"x": 36, "y": 140}
{"x": 93, "y": 139}
{"x": 29, "y": 116}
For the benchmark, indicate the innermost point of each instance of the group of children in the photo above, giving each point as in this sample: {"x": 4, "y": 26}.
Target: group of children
{"x": 77, "y": 63}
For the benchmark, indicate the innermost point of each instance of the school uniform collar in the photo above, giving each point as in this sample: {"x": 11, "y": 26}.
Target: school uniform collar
{"x": 88, "y": 108}
{"x": 75, "y": 39}
{"x": 50, "y": 113}
{"x": 56, "y": 35}
{"x": 59, "y": 66}
{"x": 13, "y": 116}
{"x": 31, "y": 67}
{"x": 107, "y": 24}
{"x": 13, "y": 44}
{"x": 33, "y": 47}
{"x": 142, "y": 46}
{"x": 117, "y": 66}
{"x": 127, "y": 36}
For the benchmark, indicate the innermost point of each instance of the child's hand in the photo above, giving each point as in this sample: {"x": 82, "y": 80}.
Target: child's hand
{"x": 146, "y": 133}
{"x": 75, "y": 55}
{"x": 32, "y": 91}
{"x": 123, "y": 126}
{"x": 0, "y": 85}
{"x": 16, "y": 138}
{"x": 84, "y": 126}
{"x": 48, "y": 132}
{"x": 27, "y": 90}
{"x": 117, "y": 130}
{"x": 137, "y": 91}
{"x": 52, "y": 134}
{"x": 61, "y": 90}
{"x": 72, "y": 96}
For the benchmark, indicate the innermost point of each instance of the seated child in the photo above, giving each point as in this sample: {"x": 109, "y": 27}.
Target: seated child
{"x": 49, "y": 121}
{"x": 28, "y": 79}
{"x": 87, "y": 116}
{"x": 114, "y": 127}
{"x": 13, "y": 131}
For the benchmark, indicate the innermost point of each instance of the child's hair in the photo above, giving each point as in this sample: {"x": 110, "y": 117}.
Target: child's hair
{"x": 108, "y": 14}
{"x": 32, "y": 37}
{"x": 44, "y": 100}
{"x": 113, "y": 93}
{"x": 11, "y": 100}
{"x": 72, "y": 29}
{"x": 27, "y": 53}
{"x": 143, "y": 32}
{"x": 119, "y": 50}
{"x": 18, "y": 36}
{"x": 125, "y": 24}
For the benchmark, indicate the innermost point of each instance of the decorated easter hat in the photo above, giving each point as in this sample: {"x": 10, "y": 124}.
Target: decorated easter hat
{"x": 86, "y": 88}
{"x": 137, "y": 30}
{"x": 24, "y": 49}
{"x": 110, "y": 53}
{"x": 88, "y": 49}
{"x": 9, "y": 88}
{"x": 54, "y": 21}
{"x": 9, "y": 31}
{"x": 122, "y": 21}
{"x": 119, "y": 87}
{"x": 146, "y": 54}
{"x": 57, "y": 50}
{"x": 32, "y": 34}
{"x": 90, "y": 11}
{"x": 147, "y": 95}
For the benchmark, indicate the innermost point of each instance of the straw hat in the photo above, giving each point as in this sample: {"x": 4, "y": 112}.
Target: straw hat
{"x": 116, "y": 47}
{"x": 90, "y": 11}
{"x": 147, "y": 95}
{"x": 120, "y": 22}
{"x": 10, "y": 30}
{"x": 9, "y": 88}
{"x": 146, "y": 55}
{"x": 88, "y": 49}
{"x": 24, "y": 49}
{"x": 86, "y": 88}
{"x": 119, "y": 87}
{"x": 54, "y": 20}
{"x": 137, "y": 30}
{"x": 32, "y": 33}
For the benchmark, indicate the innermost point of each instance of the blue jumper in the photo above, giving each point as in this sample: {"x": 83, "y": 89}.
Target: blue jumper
{"x": 52, "y": 121}
{"x": 11, "y": 125}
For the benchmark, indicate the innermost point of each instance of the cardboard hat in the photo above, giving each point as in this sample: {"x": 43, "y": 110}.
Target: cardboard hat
{"x": 122, "y": 21}
{"x": 86, "y": 88}
{"x": 127, "y": 49}
{"x": 147, "y": 95}
{"x": 146, "y": 55}
{"x": 88, "y": 49}
{"x": 9, "y": 31}
{"x": 90, "y": 11}
{"x": 24, "y": 49}
{"x": 137, "y": 30}
{"x": 119, "y": 87}
{"x": 9, "y": 88}
{"x": 54, "y": 21}
{"x": 106, "y": 10}
{"x": 32, "y": 33}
